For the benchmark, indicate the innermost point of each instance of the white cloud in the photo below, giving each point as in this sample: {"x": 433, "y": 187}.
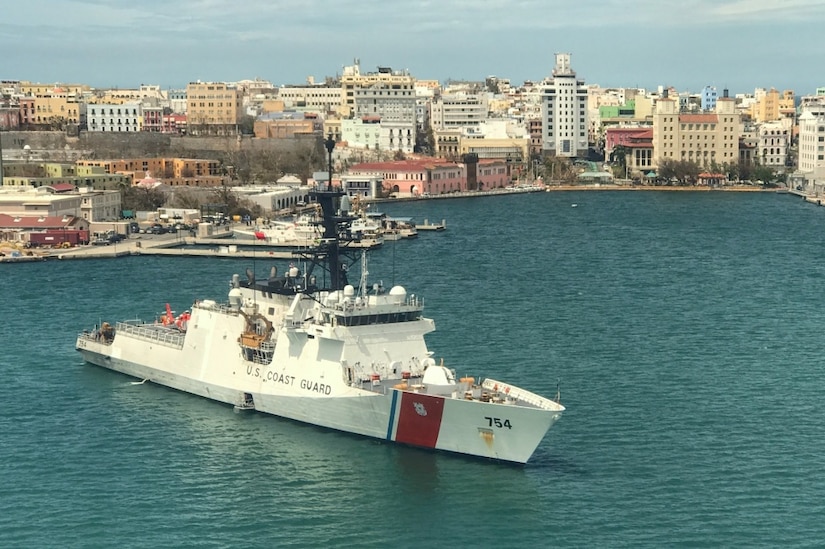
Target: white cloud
{"x": 769, "y": 10}
{"x": 286, "y": 39}
{"x": 259, "y": 17}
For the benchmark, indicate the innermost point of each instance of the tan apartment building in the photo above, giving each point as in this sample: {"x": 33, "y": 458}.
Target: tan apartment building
{"x": 446, "y": 143}
{"x": 213, "y": 108}
{"x": 176, "y": 172}
{"x": 285, "y": 127}
{"x": 708, "y": 139}
{"x": 55, "y": 109}
{"x": 322, "y": 98}
{"x": 390, "y": 84}
{"x": 772, "y": 106}
{"x": 272, "y": 105}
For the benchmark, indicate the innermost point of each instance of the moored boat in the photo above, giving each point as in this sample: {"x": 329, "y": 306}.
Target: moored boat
{"x": 300, "y": 231}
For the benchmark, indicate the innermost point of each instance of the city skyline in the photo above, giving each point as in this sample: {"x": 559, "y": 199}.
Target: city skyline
{"x": 739, "y": 45}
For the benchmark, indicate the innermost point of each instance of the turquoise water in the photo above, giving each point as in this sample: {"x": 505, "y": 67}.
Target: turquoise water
{"x": 684, "y": 331}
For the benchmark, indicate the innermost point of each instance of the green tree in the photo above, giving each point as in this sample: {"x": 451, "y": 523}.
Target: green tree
{"x": 246, "y": 125}
{"x": 559, "y": 168}
{"x": 764, "y": 174}
{"x": 142, "y": 198}
{"x": 425, "y": 140}
{"x": 619, "y": 155}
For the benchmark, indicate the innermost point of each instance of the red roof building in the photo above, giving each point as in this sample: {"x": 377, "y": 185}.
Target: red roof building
{"x": 416, "y": 177}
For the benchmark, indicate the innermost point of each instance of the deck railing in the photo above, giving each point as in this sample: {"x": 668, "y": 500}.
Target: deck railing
{"x": 170, "y": 337}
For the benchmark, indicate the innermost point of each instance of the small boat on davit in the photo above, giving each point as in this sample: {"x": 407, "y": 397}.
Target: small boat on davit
{"x": 312, "y": 346}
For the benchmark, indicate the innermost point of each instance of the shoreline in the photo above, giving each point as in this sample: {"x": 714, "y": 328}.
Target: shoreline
{"x": 601, "y": 187}
{"x": 663, "y": 188}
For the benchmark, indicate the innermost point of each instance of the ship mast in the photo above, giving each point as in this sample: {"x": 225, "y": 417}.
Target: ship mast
{"x": 327, "y": 253}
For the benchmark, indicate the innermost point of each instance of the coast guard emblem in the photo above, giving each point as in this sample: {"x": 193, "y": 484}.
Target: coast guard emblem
{"x": 419, "y": 419}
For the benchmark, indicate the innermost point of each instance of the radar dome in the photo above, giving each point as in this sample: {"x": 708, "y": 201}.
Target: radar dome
{"x": 332, "y": 298}
{"x": 398, "y": 293}
{"x": 235, "y": 298}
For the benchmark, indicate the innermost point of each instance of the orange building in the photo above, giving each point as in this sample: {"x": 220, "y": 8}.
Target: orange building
{"x": 184, "y": 172}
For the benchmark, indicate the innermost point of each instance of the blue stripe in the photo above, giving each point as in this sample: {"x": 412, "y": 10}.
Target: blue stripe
{"x": 392, "y": 413}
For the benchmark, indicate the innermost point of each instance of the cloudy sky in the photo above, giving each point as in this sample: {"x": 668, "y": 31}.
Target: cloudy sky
{"x": 688, "y": 44}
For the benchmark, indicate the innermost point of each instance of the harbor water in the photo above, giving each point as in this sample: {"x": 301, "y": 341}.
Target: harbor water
{"x": 683, "y": 331}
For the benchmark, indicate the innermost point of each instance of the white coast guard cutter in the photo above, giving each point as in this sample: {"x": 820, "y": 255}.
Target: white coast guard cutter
{"x": 310, "y": 346}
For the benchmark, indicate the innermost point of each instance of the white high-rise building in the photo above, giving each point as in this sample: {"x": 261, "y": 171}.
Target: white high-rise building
{"x": 564, "y": 112}
{"x": 774, "y": 138}
{"x": 812, "y": 141}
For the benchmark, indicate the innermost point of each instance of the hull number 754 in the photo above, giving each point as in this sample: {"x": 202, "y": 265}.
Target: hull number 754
{"x": 498, "y": 422}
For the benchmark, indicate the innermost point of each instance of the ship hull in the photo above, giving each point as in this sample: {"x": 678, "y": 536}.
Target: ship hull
{"x": 481, "y": 429}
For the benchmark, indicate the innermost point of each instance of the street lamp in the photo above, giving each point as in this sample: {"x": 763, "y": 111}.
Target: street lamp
{"x": 329, "y": 144}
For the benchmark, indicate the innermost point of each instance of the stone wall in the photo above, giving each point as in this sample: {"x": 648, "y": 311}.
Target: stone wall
{"x": 57, "y": 146}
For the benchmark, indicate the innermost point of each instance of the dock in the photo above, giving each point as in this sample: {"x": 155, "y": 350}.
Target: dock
{"x": 221, "y": 248}
{"x": 224, "y": 252}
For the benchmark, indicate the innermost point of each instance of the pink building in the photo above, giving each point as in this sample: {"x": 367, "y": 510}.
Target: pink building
{"x": 173, "y": 123}
{"x": 9, "y": 118}
{"x": 624, "y": 136}
{"x": 416, "y": 177}
{"x": 27, "y": 116}
{"x": 490, "y": 174}
{"x": 638, "y": 148}
{"x": 152, "y": 119}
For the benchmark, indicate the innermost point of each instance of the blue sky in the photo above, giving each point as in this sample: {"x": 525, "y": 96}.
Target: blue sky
{"x": 739, "y": 44}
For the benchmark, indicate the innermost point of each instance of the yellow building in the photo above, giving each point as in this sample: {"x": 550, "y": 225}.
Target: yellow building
{"x": 50, "y": 174}
{"x": 707, "y": 139}
{"x": 446, "y": 143}
{"x": 29, "y": 88}
{"x": 332, "y": 126}
{"x": 56, "y": 109}
{"x": 643, "y": 108}
{"x": 213, "y": 108}
{"x": 272, "y": 105}
{"x": 772, "y": 106}
{"x": 283, "y": 128}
